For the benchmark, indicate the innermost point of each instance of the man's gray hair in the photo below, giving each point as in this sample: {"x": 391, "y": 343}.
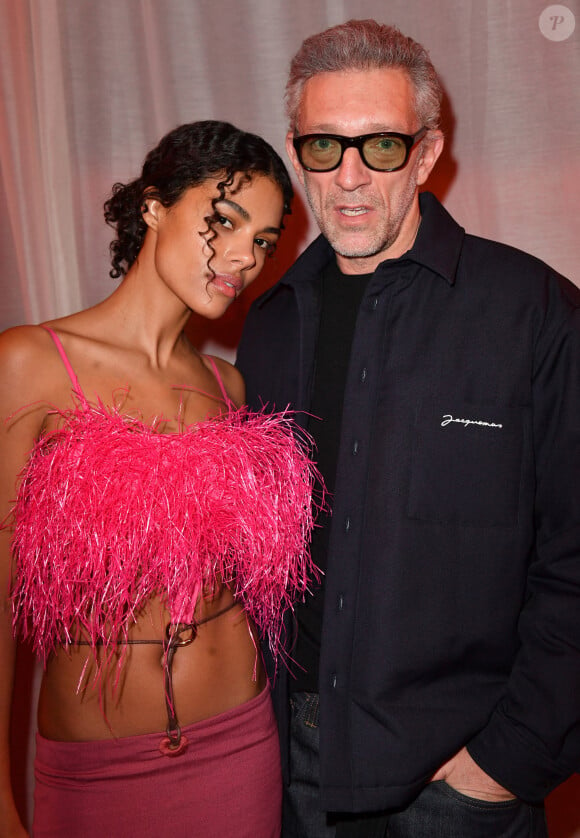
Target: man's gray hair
{"x": 365, "y": 45}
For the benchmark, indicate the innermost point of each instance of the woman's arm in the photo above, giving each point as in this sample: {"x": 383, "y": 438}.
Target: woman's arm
{"x": 21, "y": 419}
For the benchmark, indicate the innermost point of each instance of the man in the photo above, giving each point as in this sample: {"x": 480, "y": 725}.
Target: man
{"x": 439, "y": 374}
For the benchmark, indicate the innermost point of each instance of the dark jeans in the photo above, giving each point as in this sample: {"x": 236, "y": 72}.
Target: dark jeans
{"x": 438, "y": 812}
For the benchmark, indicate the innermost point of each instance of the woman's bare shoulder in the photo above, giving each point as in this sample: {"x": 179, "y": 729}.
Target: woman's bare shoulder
{"x": 22, "y": 347}
{"x": 30, "y": 367}
{"x": 232, "y": 380}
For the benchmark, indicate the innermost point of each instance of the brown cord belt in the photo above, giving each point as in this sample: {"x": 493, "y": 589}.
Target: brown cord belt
{"x": 176, "y": 635}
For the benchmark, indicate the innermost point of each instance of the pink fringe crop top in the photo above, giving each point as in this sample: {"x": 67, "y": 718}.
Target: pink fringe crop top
{"x": 110, "y": 513}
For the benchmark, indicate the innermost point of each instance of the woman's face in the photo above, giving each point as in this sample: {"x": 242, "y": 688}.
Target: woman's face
{"x": 205, "y": 269}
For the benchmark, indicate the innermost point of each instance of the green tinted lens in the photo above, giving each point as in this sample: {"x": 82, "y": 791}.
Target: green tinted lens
{"x": 321, "y": 153}
{"x": 384, "y": 152}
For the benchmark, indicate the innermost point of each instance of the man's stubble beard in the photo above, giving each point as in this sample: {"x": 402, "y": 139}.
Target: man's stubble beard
{"x": 379, "y": 240}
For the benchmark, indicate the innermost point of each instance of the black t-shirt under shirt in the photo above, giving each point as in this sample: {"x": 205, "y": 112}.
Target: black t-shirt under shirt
{"x": 341, "y": 298}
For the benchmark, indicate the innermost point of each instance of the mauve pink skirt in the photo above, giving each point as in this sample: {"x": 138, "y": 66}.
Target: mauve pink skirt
{"x": 227, "y": 782}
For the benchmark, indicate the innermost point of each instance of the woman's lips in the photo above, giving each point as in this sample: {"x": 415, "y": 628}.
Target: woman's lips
{"x": 228, "y": 285}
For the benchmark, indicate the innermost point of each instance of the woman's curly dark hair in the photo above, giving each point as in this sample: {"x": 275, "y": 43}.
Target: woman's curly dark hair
{"x": 186, "y": 157}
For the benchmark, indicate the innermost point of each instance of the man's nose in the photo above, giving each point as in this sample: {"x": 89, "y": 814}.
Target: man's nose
{"x": 352, "y": 171}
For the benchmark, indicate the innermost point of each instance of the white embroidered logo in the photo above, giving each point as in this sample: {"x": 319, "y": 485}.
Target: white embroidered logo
{"x": 448, "y": 418}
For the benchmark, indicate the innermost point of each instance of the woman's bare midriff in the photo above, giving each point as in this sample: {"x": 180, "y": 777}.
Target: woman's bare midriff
{"x": 219, "y": 670}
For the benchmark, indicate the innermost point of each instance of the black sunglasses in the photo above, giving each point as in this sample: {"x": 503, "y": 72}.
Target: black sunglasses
{"x": 385, "y": 151}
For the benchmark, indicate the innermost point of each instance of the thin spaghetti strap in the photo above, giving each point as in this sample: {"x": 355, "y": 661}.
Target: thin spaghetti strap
{"x": 68, "y": 366}
{"x": 227, "y": 399}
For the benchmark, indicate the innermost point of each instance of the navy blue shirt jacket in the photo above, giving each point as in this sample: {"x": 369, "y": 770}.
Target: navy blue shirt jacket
{"x": 452, "y": 604}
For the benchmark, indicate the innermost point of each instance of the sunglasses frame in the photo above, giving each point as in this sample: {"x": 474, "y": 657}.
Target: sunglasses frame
{"x": 410, "y": 141}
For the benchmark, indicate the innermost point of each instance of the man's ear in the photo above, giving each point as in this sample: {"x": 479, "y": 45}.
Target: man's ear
{"x": 432, "y": 148}
{"x": 291, "y": 151}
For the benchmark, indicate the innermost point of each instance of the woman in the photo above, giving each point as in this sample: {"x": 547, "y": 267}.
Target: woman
{"x": 151, "y": 524}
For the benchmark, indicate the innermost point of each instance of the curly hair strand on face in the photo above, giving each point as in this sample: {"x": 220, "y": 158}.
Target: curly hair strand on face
{"x": 365, "y": 45}
{"x": 185, "y": 157}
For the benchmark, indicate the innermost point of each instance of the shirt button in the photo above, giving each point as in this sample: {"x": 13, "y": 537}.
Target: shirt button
{"x": 375, "y": 302}
{"x": 363, "y": 375}
{"x": 347, "y": 524}
{"x": 355, "y": 447}
{"x": 340, "y": 602}
{"x": 333, "y": 680}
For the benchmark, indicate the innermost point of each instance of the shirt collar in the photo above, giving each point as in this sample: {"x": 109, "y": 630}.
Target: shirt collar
{"x": 437, "y": 247}
{"x": 439, "y": 239}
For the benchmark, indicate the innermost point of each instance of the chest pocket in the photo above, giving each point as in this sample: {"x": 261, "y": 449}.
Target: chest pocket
{"x": 466, "y": 464}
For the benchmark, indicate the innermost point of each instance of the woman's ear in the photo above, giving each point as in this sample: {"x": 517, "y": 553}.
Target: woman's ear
{"x": 152, "y": 209}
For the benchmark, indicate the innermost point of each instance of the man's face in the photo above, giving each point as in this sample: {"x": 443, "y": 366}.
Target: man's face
{"x": 367, "y": 216}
